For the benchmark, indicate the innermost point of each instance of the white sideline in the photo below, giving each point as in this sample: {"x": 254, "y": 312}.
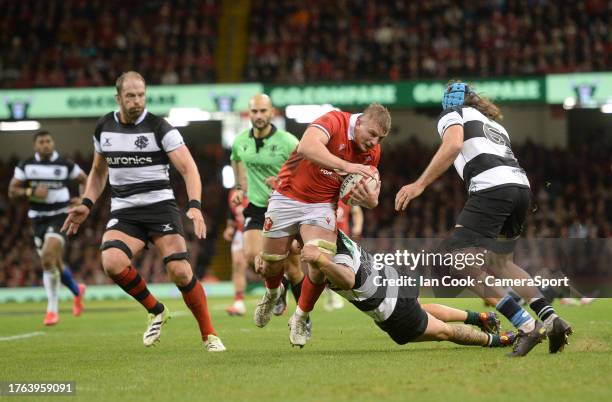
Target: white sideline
{"x": 22, "y": 336}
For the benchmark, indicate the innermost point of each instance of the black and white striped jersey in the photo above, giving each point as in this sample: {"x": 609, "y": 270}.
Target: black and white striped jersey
{"x": 486, "y": 159}
{"x": 378, "y": 302}
{"x": 55, "y": 173}
{"x": 137, "y": 158}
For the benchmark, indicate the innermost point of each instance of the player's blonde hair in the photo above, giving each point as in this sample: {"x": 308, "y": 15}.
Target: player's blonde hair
{"x": 380, "y": 115}
{"x": 124, "y": 76}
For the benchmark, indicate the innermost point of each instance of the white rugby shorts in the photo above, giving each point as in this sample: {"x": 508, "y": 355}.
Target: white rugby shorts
{"x": 285, "y": 216}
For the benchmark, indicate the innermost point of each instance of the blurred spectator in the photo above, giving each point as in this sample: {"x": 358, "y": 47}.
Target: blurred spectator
{"x": 58, "y": 43}
{"x": 319, "y": 40}
{"x": 89, "y": 43}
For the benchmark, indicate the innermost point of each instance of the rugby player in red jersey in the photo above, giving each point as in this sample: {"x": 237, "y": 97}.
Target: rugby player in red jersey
{"x": 304, "y": 203}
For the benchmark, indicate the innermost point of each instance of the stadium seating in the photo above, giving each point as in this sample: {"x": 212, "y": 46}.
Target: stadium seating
{"x": 319, "y": 40}
{"x": 77, "y": 43}
{"x": 85, "y": 43}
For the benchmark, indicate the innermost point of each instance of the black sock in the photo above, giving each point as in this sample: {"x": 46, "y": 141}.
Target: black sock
{"x": 542, "y": 308}
{"x": 296, "y": 289}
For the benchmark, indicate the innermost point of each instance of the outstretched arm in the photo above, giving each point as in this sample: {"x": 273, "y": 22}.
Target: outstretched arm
{"x": 340, "y": 275}
{"x": 183, "y": 162}
{"x": 452, "y": 141}
{"x": 96, "y": 181}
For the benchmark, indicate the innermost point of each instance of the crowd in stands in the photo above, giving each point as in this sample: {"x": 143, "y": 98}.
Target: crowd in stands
{"x": 572, "y": 188}
{"x": 80, "y": 43}
{"x": 319, "y": 40}
{"x": 75, "y": 43}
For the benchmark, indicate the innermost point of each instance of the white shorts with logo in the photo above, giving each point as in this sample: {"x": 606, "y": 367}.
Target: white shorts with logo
{"x": 285, "y": 216}
{"x": 237, "y": 241}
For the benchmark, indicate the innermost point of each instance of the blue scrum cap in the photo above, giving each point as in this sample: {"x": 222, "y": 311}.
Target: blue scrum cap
{"x": 455, "y": 93}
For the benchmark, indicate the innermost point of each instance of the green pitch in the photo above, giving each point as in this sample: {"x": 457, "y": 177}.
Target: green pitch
{"x": 348, "y": 359}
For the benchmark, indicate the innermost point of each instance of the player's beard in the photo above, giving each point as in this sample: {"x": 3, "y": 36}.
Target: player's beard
{"x": 261, "y": 124}
{"x": 45, "y": 153}
{"x": 134, "y": 112}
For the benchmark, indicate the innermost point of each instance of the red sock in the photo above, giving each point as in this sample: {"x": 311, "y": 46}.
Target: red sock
{"x": 275, "y": 281}
{"x": 310, "y": 294}
{"x": 132, "y": 283}
{"x": 195, "y": 298}
{"x": 239, "y": 296}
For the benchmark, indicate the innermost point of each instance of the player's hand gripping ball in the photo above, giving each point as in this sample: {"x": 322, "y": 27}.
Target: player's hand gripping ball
{"x": 352, "y": 180}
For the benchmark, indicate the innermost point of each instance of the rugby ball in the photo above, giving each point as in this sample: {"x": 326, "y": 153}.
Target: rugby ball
{"x": 351, "y": 180}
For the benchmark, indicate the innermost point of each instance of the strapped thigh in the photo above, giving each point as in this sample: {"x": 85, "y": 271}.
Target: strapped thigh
{"x": 117, "y": 244}
{"x": 176, "y": 257}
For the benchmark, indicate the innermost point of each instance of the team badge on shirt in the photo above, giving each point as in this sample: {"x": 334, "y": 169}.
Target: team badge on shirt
{"x": 141, "y": 142}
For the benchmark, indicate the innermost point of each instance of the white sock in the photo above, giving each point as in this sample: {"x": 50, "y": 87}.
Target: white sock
{"x": 528, "y": 326}
{"x": 51, "y": 280}
{"x": 548, "y": 322}
{"x": 301, "y": 313}
{"x": 275, "y": 292}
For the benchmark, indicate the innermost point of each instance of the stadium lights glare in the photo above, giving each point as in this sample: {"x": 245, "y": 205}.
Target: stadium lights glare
{"x": 181, "y": 116}
{"x": 569, "y": 103}
{"x": 607, "y": 108}
{"x": 307, "y": 113}
{"x": 227, "y": 173}
{"x": 23, "y": 125}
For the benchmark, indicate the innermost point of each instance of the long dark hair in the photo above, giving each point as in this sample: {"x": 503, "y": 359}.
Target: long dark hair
{"x": 484, "y": 106}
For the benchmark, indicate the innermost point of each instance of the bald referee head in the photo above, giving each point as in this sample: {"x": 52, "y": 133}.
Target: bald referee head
{"x": 261, "y": 112}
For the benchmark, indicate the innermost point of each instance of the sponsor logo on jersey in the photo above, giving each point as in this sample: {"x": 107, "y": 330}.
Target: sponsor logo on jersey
{"x": 112, "y": 223}
{"x": 107, "y": 142}
{"x": 166, "y": 227}
{"x": 494, "y": 135}
{"x": 326, "y": 172}
{"x": 128, "y": 160}
{"x": 47, "y": 183}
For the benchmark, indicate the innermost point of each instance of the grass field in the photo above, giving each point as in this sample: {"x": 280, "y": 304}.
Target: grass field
{"x": 348, "y": 359}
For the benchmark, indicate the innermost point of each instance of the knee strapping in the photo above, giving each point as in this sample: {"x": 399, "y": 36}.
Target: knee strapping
{"x": 324, "y": 246}
{"x": 176, "y": 257}
{"x": 273, "y": 257}
{"x": 117, "y": 244}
